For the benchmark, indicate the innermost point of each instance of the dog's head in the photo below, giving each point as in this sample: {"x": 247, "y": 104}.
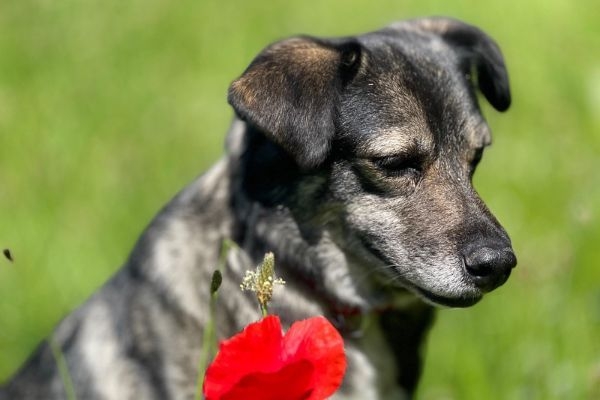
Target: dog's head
{"x": 389, "y": 123}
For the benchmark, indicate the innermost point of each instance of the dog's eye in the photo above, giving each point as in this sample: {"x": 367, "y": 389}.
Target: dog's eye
{"x": 399, "y": 165}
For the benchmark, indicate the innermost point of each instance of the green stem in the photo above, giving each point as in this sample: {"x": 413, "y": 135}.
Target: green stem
{"x": 263, "y": 309}
{"x": 208, "y": 340}
{"x": 63, "y": 368}
{"x": 209, "y": 337}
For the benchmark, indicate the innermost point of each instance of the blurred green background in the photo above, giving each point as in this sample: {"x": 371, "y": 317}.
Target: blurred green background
{"x": 108, "y": 108}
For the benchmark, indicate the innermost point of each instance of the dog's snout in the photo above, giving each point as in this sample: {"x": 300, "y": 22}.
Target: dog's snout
{"x": 489, "y": 267}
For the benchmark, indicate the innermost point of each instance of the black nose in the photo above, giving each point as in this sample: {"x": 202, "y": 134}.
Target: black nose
{"x": 489, "y": 267}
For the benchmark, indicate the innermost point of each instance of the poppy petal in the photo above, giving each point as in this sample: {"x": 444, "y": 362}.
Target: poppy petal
{"x": 292, "y": 382}
{"x": 308, "y": 363}
{"x": 256, "y": 349}
{"x": 316, "y": 340}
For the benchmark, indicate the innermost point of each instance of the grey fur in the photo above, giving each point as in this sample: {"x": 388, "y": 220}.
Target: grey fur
{"x": 353, "y": 165}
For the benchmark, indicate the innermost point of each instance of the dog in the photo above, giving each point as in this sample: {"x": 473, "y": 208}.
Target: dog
{"x": 351, "y": 160}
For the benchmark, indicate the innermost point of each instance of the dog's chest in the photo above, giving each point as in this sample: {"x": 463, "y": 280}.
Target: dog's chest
{"x": 372, "y": 369}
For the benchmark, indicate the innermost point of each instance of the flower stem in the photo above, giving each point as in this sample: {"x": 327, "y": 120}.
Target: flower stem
{"x": 63, "y": 368}
{"x": 263, "y": 309}
{"x": 209, "y": 337}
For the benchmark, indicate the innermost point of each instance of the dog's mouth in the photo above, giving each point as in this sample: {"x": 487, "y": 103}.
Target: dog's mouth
{"x": 469, "y": 296}
{"x": 455, "y": 302}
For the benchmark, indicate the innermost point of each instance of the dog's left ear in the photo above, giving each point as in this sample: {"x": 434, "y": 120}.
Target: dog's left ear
{"x": 289, "y": 91}
{"x": 478, "y": 49}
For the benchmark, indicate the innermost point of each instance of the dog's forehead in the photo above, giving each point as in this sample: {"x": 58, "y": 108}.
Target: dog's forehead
{"x": 405, "y": 43}
{"x": 413, "y": 92}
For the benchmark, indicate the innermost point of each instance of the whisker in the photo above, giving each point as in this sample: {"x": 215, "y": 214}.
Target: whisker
{"x": 372, "y": 271}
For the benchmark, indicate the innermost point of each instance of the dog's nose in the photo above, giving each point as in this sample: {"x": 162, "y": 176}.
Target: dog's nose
{"x": 489, "y": 267}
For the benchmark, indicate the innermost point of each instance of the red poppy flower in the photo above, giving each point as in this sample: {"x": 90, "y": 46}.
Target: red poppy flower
{"x": 308, "y": 363}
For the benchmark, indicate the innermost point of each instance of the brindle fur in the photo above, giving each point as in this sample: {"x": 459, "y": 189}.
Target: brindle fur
{"x": 351, "y": 159}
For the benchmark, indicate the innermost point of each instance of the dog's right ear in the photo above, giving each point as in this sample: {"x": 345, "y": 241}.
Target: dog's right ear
{"x": 289, "y": 93}
{"x": 477, "y": 48}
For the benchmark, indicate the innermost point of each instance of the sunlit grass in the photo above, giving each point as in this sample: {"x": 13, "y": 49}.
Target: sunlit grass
{"x": 108, "y": 108}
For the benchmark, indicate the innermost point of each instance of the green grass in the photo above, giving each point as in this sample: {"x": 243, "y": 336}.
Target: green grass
{"x": 107, "y": 108}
